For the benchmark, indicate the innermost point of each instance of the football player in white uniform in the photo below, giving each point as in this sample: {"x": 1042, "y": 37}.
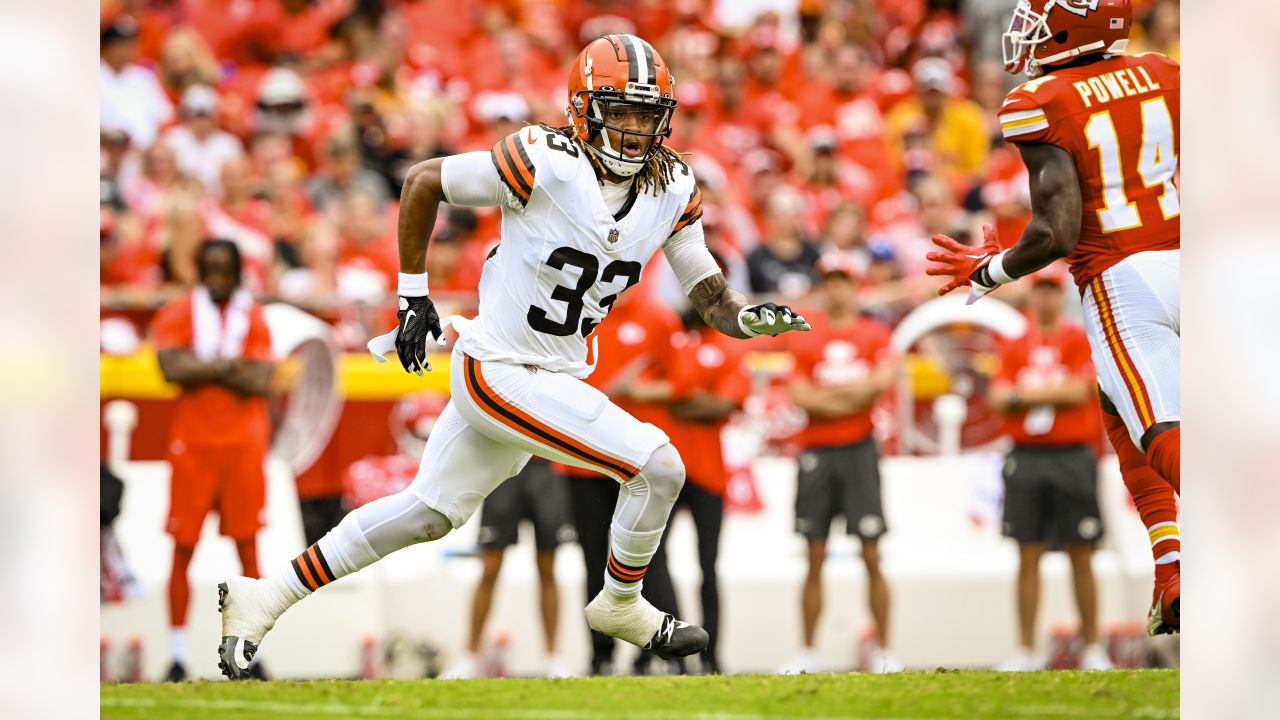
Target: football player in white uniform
{"x": 584, "y": 207}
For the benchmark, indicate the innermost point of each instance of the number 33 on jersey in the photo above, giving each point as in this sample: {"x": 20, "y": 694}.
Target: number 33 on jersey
{"x": 1118, "y": 118}
{"x": 564, "y": 256}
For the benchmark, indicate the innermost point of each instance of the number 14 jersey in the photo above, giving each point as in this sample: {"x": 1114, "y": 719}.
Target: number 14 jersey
{"x": 1118, "y": 118}
{"x": 563, "y": 256}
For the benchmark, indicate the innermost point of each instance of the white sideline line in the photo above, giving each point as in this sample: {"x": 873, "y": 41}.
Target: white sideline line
{"x": 340, "y": 710}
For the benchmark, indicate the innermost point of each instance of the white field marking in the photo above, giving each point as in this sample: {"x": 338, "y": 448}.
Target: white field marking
{"x": 341, "y": 710}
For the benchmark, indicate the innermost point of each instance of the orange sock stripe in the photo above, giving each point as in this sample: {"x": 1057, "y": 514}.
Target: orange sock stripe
{"x": 313, "y": 555}
{"x": 1128, "y": 370}
{"x": 304, "y": 573}
{"x": 626, "y": 573}
{"x": 498, "y": 408}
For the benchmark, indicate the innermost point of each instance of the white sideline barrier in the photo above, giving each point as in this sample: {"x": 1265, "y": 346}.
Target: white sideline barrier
{"x": 951, "y": 581}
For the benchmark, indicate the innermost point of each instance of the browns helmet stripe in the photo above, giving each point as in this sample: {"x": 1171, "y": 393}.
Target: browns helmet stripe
{"x": 650, "y": 68}
{"x": 633, "y": 63}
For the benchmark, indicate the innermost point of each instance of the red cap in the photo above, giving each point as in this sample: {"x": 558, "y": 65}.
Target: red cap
{"x": 1055, "y": 274}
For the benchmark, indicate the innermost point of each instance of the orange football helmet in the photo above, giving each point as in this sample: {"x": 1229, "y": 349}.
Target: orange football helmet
{"x": 621, "y": 83}
{"x": 1064, "y": 30}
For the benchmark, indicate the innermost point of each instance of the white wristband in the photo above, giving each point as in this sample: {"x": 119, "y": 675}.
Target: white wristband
{"x": 996, "y": 269}
{"x": 412, "y": 285}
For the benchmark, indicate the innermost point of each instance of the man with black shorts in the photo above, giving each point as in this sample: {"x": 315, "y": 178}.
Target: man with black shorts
{"x": 539, "y": 496}
{"x": 842, "y": 366}
{"x": 1045, "y": 388}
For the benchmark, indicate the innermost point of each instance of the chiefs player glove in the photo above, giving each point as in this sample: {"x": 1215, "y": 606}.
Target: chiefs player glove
{"x": 769, "y": 319}
{"x": 981, "y": 268}
{"x": 418, "y": 321}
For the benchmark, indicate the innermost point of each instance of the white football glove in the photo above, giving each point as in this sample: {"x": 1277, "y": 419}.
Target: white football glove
{"x": 770, "y": 319}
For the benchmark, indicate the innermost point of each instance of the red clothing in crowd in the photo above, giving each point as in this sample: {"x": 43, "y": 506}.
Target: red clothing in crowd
{"x": 707, "y": 362}
{"x": 836, "y": 355}
{"x": 1036, "y": 360}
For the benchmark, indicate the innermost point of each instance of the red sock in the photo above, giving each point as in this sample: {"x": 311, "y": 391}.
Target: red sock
{"x": 1152, "y": 495}
{"x": 248, "y": 550}
{"x": 179, "y": 589}
{"x": 1166, "y": 456}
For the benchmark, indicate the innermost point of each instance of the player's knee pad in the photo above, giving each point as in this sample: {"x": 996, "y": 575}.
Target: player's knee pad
{"x": 429, "y": 523}
{"x": 664, "y": 473}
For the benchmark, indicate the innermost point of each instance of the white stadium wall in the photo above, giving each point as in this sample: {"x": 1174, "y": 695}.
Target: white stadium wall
{"x": 951, "y": 579}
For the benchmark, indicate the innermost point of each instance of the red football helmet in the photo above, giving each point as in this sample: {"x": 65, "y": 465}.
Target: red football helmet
{"x": 412, "y": 420}
{"x": 1064, "y": 30}
{"x": 621, "y": 79}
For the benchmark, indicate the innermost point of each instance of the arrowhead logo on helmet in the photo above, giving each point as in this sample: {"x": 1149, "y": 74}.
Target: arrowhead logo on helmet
{"x": 1079, "y": 7}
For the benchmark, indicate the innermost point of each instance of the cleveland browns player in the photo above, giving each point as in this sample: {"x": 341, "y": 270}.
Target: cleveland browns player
{"x": 1098, "y": 131}
{"x": 584, "y": 207}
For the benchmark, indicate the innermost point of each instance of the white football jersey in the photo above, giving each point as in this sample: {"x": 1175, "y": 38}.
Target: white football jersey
{"x": 563, "y": 256}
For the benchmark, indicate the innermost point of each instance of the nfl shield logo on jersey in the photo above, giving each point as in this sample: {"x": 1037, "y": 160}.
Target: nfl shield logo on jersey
{"x": 613, "y": 235}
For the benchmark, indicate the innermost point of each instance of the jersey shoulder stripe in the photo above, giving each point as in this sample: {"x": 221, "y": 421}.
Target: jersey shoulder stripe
{"x": 691, "y": 212}
{"x": 514, "y": 167}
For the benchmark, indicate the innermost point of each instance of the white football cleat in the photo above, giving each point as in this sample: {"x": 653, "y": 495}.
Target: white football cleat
{"x": 646, "y": 627}
{"x": 805, "y": 662}
{"x": 463, "y": 667}
{"x": 884, "y": 662}
{"x": 249, "y": 610}
{"x": 1024, "y": 660}
{"x": 1094, "y": 657}
{"x": 555, "y": 668}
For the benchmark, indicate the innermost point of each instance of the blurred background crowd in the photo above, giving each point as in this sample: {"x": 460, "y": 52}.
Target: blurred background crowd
{"x": 288, "y": 126}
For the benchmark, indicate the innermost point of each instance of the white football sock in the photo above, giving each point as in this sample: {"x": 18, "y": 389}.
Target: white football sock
{"x": 178, "y": 644}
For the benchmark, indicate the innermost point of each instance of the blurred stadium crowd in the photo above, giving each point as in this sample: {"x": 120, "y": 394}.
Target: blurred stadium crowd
{"x": 288, "y": 126}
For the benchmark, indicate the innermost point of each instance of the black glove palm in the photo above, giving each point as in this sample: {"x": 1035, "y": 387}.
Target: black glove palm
{"x": 418, "y": 322}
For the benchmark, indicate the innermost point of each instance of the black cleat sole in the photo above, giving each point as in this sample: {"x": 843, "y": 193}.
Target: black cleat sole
{"x": 227, "y": 648}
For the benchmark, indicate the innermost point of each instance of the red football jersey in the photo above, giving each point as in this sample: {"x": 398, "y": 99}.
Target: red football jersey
{"x": 710, "y": 362}
{"x": 1118, "y": 118}
{"x": 1036, "y": 360}
{"x": 213, "y": 415}
{"x": 838, "y": 355}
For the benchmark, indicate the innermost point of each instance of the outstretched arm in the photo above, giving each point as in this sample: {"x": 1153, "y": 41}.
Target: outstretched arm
{"x": 1052, "y": 233}
{"x": 719, "y": 305}
{"x": 1054, "y": 229}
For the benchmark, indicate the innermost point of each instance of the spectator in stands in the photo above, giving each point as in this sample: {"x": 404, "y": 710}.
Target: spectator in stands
{"x": 1160, "y": 29}
{"x": 842, "y": 367}
{"x": 283, "y": 109}
{"x": 159, "y": 177}
{"x": 185, "y": 62}
{"x": 200, "y": 147}
{"x": 214, "y": 344}
{"x": 425, "y": 138}
{"x": 368, "y": 260}
{"x": 343, "y": 172}
{"x": 954, "y": 126}
{"x": 131, "y": 98}
{"x": 540, "y": 496}
{"x": 1045, "y": 388}
{"x": 784, "y": 261}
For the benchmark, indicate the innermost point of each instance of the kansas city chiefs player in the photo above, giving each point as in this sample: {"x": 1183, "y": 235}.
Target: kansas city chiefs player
{"x": 1098, "y": 131}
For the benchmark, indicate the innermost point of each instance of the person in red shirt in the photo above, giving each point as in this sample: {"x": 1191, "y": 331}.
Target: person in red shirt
{"x": 708, "y": 384}
{"x": 1045, "y": 390}
{"x": 214, "y": 344}
{"x": 842, "y": 366}
{"x": 632, "y": 342}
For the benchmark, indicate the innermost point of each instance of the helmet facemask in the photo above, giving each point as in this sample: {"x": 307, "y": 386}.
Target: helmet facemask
{"x": 636, "y": 115}
{"x": 1027, "y": 29}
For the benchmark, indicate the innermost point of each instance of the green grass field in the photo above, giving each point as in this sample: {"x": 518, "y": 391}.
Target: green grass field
{"x": 942, "y": 694}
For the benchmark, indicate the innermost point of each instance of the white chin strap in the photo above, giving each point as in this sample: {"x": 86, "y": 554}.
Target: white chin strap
{"x": 625, "y": 168}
